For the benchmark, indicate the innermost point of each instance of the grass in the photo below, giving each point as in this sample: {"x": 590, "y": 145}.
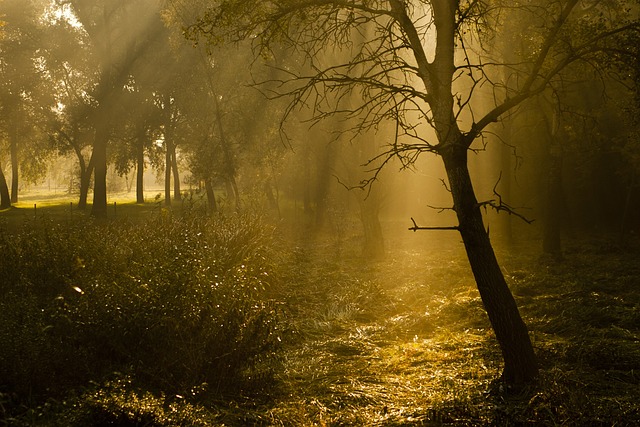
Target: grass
{"x": 64, "y": 208}
{"x": 405, "y": 341}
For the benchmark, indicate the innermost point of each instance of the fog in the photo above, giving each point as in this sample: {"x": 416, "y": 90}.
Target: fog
{"x": 83, "y": 77}
{"x": 269, "y": 188}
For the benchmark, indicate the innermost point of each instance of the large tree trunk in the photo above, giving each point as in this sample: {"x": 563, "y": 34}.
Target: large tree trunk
{"x": 5, "y": 198}
{"x": 520, "y": 364}
{"x": 99, "y": 157}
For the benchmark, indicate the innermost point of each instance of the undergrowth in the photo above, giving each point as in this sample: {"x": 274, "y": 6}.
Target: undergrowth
{"x": 405, "y": 341}
{"x": 173, "y": 304}
{"x": 402, "y": 341}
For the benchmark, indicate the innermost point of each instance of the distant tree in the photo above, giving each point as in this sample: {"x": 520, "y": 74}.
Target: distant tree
{"x": 119, "y": 32}
{"x": 71, "y": 76}
{"x": 569, "y": 114}
{"x": 139, "y": 126}
{"x": 424, "y": 69}
{"x": 20, "y": 79}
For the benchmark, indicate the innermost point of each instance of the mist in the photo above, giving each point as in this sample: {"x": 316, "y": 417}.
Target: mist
{"x": 319, "y": 213}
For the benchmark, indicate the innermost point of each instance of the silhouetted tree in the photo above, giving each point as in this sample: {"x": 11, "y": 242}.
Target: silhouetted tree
{"x": 5, "y": 197}
{"x": 422, "y": 70}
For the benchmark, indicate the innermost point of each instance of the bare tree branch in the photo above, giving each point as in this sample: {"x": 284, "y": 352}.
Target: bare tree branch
{"x": 416, "y": 227}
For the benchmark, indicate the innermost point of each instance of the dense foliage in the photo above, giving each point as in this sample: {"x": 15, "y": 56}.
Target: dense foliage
{"x": 177, "y": 306}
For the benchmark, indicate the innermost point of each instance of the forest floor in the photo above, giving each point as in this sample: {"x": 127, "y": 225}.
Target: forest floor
{"x": 405, "y": 341}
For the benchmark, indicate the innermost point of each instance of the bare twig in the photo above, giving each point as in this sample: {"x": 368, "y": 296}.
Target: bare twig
{"x": 501, "y": 206}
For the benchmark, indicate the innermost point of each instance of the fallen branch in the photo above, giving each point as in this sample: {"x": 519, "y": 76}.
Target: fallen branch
{"x": 416, "y": 227}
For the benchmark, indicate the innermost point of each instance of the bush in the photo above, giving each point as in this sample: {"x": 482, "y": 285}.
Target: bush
{"x": 175, "y": 303}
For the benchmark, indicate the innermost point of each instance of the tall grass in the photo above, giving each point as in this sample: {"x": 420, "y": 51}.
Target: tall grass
{"x": 175, "y": 305}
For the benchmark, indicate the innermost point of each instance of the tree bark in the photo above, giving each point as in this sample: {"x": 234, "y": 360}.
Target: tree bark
{"x": 85, "y": 180}
{"x": 271, "y": 194}
{"x": 506, "y": 179}
{"x": 554, "y": 204}
{"x": 140, "y": 171}
{"x": 167, "y": 171}
{"x": 551, "y": 236}
{"x": 323, "y": 183}
{"x": 229, "y": 163}
{"x": 306, "y": 180}
{"x": 13, "y": 147}
{"x": 373, "y": 237}
{"x": 177, "y": 194}
{"x": 520, "y": 364}
{"x": 99, "y": 157}
{"x": 102, "y": 117}
{"x": 211, "y": 196}
{"x": 5, "y": 198}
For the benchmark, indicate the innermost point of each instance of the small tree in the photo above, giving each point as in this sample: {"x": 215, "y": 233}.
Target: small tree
{"x": 423, "y": 69}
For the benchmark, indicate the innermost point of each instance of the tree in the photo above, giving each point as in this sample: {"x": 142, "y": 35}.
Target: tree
{"x": 424, "y": 69}
{"x": 5, "y": 197}
{"x": 119, "y": 31}
{"x": 71, "y": 75}
{"x": 222, "y": 117}
{"x": 21, "y": 77}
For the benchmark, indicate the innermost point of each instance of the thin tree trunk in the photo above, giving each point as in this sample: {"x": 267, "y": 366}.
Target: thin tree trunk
{"x": 85, "y": 182}
{"x": 306, "y": 181}
{"x": 177, "y": 195}
{"x": 167, "y": 172}
{"x": 13, "y": 146}
{"x": 231, "y": 189}
{"x": 229, "y": 165}
{"x": 625, "y": 210}
{"x": 236, "y": 193}
{"x": 140, "y": 171}
{"x": 511, "y": 332}
{"x": 323, "y": 184}
{"x": 5, "y": 197}
{"x": 211, "y": 196}
{"x": 506, "y": 177}
{"x": 373, "y": 237}
{"x": 554, "y": 196}
{"x": 551, "y": 241}
{"x": 271, "y": 194}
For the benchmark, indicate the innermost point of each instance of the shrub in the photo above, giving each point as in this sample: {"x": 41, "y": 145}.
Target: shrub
{"x": 175, "y": 303}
